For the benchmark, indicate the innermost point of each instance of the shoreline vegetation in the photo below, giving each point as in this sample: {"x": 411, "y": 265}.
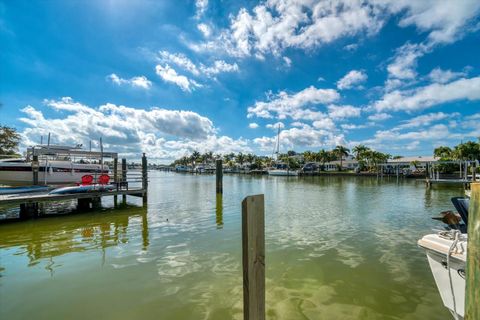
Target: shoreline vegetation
{"x": 359, "y": 160}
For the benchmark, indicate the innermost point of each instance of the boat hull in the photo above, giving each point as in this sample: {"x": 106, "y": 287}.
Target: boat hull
{"x": 82, "y": 189}
{"x": 436, "y": 250}
{"x": 282, "y": 173}
{"x": 26, "y": 189}
{"x": 56, "y": 172}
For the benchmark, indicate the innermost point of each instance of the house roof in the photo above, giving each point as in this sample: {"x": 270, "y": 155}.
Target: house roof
{"x": 412, "y": 159}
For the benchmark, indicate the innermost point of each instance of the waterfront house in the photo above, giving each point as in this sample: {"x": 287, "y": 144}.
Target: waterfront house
{"x": 410, "y": 164}
{"x": 348, "y": 163}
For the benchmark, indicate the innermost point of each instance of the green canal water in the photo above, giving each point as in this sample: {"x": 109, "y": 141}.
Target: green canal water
{"x": 336, "y": 248}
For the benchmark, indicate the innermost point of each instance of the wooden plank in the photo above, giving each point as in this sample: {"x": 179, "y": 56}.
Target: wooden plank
{"x": 253, "y": 250}
{"x": 472, "y": 292}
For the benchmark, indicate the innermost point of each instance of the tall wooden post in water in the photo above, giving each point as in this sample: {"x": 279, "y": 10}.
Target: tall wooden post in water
{"x": 115, "y": 179}
{"x": 472, "y": 292}
{"x": 144, "y": 177}
{"x": 253, "y": 252}
{"x": 124, "y": 178}
{"x": 219, "y": 176}
{"x": 474, "y": 171}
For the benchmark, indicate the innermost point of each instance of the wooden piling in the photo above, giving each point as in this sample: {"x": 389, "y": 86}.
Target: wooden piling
{"x": 124, "y": 170}
{"x": 219, "y": 211}
{"x": 84, "y": 204}
{"x": 219, "y": 176}
{"x": 144, "y": 172}
{"x": 124, "y": 178}
{"x": 253, "y": 249}
{"x": 115, "y": 179}
{"x": 144, "y": 177}
{"x": 35, "y": 170}
{"x": 115, "y": 170}
{"x": 28, "y": 210}
{"x": 474, "y": 171}
{"x": 472, "y": 292}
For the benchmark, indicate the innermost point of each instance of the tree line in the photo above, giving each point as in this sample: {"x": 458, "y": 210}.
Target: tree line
{"x": 469, "y": 150}
{"x": 367, "y": 158}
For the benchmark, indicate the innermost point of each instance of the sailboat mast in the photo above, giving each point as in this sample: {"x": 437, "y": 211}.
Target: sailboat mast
{"x": 278, "y": 141}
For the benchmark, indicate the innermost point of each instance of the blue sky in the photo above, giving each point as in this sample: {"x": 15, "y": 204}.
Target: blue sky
{"x": 167, "y": 77}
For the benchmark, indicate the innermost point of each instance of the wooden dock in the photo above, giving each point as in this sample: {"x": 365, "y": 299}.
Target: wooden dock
{"x": 460, "y": 182}
{"x": 45, "y": 197}
{"x": 30, "y": 203}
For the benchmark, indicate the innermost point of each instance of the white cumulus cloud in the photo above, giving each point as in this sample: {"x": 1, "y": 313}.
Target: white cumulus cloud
{"x": 161, "y": 133}
{"x": 425, "y": 120}
{"x": 343, "y": 112}
{"x": 443, "y": 76}
{"x": 168, "y": 74}
{"x": 352, "y": 79}
{"x": 136, "y": 82}
{"x": 379, "y": 117}
{"x": 276, "y": 25}
{"x": 430, "y": 95}
{"x": 296, "y": 106}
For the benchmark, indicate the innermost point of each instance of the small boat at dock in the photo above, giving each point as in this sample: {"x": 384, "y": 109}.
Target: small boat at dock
{"x": 83, "y": 189}
{"x": 282, "y": 169}
{"x": 55, "y": 165}
{"x": 447, "y": 257}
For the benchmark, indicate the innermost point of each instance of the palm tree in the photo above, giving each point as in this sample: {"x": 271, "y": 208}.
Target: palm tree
{"x": 309, "y": 156}
{"x": 323, "y": 156}
{"x": 195, "y": 156}
{"x": 250, "y": 158}
{"x": 359, "y": 151}
{"x": 240, "y": 158}
{"x": 340, "y": 152}
{"x": 208, "y": 156}
{"x": 228, "y": 157}
{"x": 443, "y": 152}
{"x": 469, "y": 150}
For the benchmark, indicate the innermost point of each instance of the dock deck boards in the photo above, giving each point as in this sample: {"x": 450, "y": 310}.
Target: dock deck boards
{"x": 44, "y": 196}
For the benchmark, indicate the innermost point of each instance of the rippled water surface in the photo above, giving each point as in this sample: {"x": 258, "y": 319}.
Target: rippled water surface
{"x": 336, "y": 248}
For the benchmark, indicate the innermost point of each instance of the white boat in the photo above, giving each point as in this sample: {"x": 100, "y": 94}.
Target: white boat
{"x": 182, "y": 168}
{"x": 281, "y": 169}
{"x": 55, "y": 166}
{"x": 203, "y": 168}
{"x": 447, "y": 255}
{"x": 19, "y": 171}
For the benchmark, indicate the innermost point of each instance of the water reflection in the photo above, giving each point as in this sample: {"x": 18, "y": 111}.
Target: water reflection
{"x": 337, "y": 248}
{"x": 219, "y": 211}
{"x": 54, "y": 237}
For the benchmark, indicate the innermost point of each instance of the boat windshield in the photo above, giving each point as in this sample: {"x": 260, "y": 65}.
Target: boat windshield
{"x": 281, "y": 166}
